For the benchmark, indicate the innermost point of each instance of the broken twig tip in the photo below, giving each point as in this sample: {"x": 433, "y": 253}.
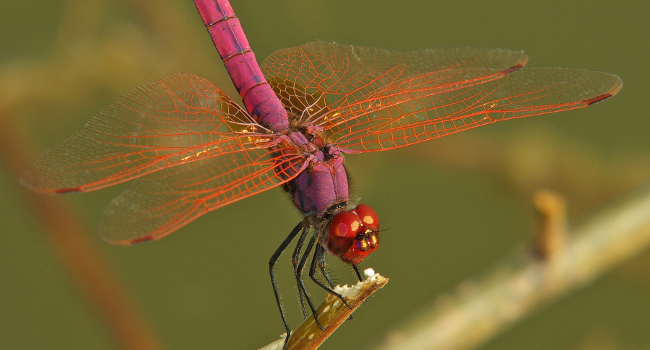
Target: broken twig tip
{"x": 331, "y": 313}
{"x": 551, "y": 236}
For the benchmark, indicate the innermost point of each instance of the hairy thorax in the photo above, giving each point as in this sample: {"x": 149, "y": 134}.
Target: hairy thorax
{"x": 323, "y": 186}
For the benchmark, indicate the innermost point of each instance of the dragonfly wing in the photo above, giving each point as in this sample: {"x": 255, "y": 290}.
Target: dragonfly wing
{"x": 332, "y": 76}
{"x": 404, "y": 117}
{"x": 370, "y": 99}
{"x": 159, "y": 203}
{"x": 164, "y": 123}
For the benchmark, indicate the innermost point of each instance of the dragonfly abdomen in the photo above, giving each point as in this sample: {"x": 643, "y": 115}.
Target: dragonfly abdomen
{"x": 238, "y": 57}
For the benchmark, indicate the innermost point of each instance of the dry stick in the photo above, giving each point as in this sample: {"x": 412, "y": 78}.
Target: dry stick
{"x": 331, "y": 314}
{"x": 80, "y": 258}
{"x": 524, "y": 284}
{"x": 551, "y": 236}
{"x": 530, "y": 159}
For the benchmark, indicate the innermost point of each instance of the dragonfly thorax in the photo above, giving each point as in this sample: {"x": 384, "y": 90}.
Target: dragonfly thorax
{"x": 324, "y": 183}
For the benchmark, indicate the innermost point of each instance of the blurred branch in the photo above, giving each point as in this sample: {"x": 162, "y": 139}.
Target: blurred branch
{"x": 81, "y": 259}
{"x": 89, "y": 64}
{"x": 532, "y": 158}
{"x": 331, "y": 314}
{"x": 84, "y": 67}
{"x": 526, "y": 282}
{"x": 551, "y": 237}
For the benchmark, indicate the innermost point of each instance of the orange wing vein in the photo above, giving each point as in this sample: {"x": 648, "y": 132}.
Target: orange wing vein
{"x": 191, "y": 148}
{"x": 371, "y": 99}
{"x": 172, "y": 121}
{"x": 159, "y": 203}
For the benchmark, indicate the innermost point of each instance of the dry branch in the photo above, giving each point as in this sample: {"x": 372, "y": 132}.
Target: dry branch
{"x": 84, "y": 263}
{"x": 526, "y": 282}
{"x": 331, "y": 314}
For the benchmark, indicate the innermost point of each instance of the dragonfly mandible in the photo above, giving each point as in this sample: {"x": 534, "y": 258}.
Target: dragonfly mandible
{"x": 191, "y": 149}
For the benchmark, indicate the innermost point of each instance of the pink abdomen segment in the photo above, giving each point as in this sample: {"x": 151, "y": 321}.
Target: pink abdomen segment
{"x": 230, "y": 40}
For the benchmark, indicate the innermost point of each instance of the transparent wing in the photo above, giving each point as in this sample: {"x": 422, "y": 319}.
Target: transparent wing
{"x": 370, "y": 99}
{"x": 339, "y": 76}
{"x": 175, "y": 120}
{"x": 396, "y": 121}
{"x": 159, "y": 203}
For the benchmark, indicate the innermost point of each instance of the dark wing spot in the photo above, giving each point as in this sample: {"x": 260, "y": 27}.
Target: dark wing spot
{"x": 596, "y": 99}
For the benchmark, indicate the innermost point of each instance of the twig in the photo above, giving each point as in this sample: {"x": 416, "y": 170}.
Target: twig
{"x": 80, "y": 258}
{"x": 551, "y": 237}
{"x": 532, "y": 158}
{"x": 525, "y": 283}
{"x": 331, "y": 314}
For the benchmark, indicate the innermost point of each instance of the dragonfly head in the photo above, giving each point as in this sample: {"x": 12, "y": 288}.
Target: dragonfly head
{"x": 352, "y": 235}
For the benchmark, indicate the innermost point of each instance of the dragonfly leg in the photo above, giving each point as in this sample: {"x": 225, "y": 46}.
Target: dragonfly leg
{"x": 356, "y": 271}
{"x": 312, "y": 274}
{"x": 301, "y": 283}
{"x": 272, "y": 262}
{"x": 295, "y": 259}
{"x": 321, "y": 265}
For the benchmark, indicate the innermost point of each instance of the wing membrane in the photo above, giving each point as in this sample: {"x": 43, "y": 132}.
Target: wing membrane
{"x": 172, "y": 121}
{"x": 340, "y": 76}
{"x": 159, "y": 203}
{"x": 404, "y": 118}
{"x": 370, "y": 99}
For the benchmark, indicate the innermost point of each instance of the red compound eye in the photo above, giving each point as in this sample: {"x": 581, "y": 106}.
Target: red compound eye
{"x": 341, "y": 232}
{"x": 367, "y": 216}
{"x": 352, "y": 235}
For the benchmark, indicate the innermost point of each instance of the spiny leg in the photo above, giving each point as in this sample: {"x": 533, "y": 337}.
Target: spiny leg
{"x": 321, "y": 265}
{"x": 356, "y": 271}
{"x": 312, "y": 274}
{"x": 301, "y": 283}
{"x": 272, "y": 262}
{"x": 295, "y": 258}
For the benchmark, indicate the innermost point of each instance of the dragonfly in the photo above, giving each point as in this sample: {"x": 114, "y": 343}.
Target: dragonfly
{"x": 191, "y": 149}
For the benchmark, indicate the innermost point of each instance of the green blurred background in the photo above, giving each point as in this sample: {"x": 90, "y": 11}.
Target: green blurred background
{"x": 452, "y": 207}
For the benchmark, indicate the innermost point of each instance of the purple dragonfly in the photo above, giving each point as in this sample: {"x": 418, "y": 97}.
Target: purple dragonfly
{"x": 191, "y": 149}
